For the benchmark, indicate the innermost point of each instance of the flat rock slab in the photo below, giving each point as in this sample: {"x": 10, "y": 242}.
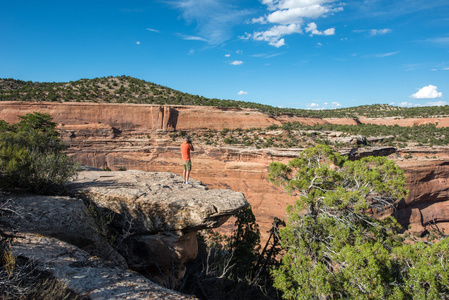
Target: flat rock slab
{"x": 86, "y": 275}
{"x": 158, "y": 201}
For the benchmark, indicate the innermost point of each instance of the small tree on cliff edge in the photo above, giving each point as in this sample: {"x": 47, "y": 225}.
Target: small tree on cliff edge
{"x": 334, "y": 249}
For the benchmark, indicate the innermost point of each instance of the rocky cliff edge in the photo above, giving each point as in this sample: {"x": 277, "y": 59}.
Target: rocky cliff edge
{"x": 111, "y": 222}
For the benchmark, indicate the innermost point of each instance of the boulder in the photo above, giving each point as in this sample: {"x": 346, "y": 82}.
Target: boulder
{"x": 158, "y": 202}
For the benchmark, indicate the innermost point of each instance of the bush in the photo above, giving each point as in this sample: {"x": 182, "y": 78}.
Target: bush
{"x": 31, "y": 155}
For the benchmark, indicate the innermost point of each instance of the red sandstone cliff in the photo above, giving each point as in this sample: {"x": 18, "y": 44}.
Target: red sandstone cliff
{"x": 132, "y": 136}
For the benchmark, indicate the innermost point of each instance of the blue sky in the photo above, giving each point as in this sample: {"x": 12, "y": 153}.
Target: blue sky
{"x": 289, "y": 53}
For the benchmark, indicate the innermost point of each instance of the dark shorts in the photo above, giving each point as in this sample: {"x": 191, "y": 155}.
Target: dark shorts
{"x": 187, "y": 165}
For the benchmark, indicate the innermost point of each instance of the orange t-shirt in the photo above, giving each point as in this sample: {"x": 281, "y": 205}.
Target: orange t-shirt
{"x": 185, "y": 151}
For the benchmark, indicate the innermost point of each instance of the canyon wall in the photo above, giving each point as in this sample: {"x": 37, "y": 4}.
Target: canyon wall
{"x": 133, "y": 136}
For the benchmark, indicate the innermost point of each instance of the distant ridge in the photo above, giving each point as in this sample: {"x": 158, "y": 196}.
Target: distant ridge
{"x": 126, "y": 89}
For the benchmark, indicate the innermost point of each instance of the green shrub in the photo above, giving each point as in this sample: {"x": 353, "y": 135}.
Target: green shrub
{"x": 31, "y": 155}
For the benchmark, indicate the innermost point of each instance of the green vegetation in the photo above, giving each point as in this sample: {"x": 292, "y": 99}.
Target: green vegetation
{"x": 31, "y": 155}
{"x": 422, "y": 134}
{"x": 125, "y": 89}
{"x": 335, "y": 249}
{"x": 297, "y": 135}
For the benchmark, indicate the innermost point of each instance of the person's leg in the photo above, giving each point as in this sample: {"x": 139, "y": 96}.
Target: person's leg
{"x": 184, "y": 171}
{"x": 188, "y": 168}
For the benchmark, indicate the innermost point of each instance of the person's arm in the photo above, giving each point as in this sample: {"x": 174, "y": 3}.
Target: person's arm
{"x": 191, "y": 146}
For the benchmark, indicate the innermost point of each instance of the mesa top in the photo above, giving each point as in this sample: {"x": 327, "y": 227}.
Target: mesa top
{"x": 185, "y": 151}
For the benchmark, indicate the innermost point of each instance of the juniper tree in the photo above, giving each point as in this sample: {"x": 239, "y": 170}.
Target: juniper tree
{"x": 334, "y": 247}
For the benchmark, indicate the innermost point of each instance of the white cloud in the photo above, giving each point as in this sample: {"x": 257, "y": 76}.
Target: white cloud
{"x": 382, "y": 55}
{"x": 325, "y": 105}
{"x": 411, "y": 104}
{"x": 153, "y": 30}
{"x": 260, "y": 20}
{"x": 278, "y": 43}
{"x": 193, "y": 38}
{"x": 214, "y": 19}
{"x": 247, "y": 36}
{"x": 242, "y": 93}
{"x": 137, "y": 43}
{"x": 312, "y": 28}
{"x": 288, "y": 17}
{"x": 236, "y": 62}
{"x": 427, "y": 92}
{"x": 296, "y": 14}
{"x": 443, "y": 41}
{"x": 387, "y": 54}
{"x": 265, "y": 55}
{"x": 313, "y": 106}
{"x": 228, "y": 55}
{"x": 373, "y": 32}
{"x": 436, "y": 103}
{"x": 275, "y": 34}
{"x": 405, "y": 104}
{"x": 291, "y": 4}
{"x": 329, "y": 31}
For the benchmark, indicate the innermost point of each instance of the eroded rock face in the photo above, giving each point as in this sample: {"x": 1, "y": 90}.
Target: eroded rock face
{"x": 87, "y": 275}
{"x": 427, "y": 205}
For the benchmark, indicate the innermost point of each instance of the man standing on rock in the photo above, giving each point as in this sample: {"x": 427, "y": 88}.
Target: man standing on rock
{"x": 186, "y": 147}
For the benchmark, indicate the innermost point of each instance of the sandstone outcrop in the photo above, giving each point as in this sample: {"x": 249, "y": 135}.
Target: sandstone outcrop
{"x": 158, "y": 202}
{"x": 427, "y": 205}
{"x": 114, "y": 221}
{"x": 160, "y": 213}
{"x": 144, "y": 118}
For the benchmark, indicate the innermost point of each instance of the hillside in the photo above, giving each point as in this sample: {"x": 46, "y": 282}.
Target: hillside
{"x": 125, "y": 89}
